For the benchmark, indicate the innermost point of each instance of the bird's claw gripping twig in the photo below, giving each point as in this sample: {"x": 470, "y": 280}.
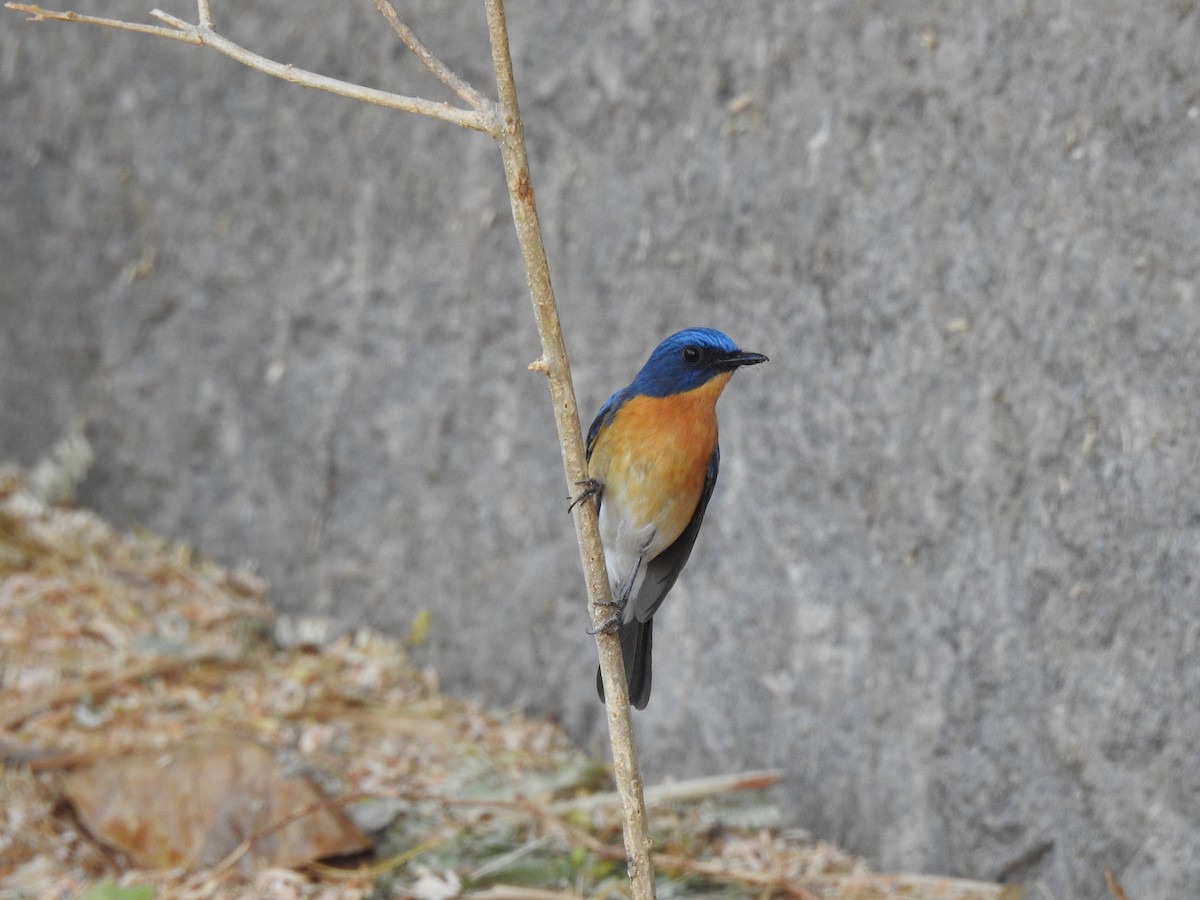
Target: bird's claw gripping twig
{"x": 611, "y": 624}
{"x": 592, "y": 487}
{"x": 618, "y": 604}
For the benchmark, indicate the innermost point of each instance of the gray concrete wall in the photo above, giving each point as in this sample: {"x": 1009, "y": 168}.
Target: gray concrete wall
{"x": 949, "y": 577}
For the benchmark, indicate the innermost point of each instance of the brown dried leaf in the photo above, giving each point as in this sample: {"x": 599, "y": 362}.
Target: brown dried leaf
{"x": 195, "y": 804}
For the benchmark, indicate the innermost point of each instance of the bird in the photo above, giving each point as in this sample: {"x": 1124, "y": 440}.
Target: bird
{"x": 653, "y": 457}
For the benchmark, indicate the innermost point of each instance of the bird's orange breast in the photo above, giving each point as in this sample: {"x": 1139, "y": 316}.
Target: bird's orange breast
{"x": 653, "y": 457}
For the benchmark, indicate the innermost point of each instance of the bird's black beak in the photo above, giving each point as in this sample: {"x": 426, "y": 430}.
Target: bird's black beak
{"x": 739, "y": 358}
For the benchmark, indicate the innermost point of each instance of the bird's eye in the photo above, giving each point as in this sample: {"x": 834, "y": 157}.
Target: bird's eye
{"x": 691, "y": 354}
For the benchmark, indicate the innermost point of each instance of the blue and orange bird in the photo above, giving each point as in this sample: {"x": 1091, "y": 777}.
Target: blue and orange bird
{"x": 652, "y": 463}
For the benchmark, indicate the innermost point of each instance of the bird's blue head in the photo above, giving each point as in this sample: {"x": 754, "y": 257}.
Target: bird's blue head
{"x": 688, "y": 359}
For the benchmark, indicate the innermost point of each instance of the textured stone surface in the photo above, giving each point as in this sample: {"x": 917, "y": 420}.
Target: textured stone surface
{"x": 949, "y": 576}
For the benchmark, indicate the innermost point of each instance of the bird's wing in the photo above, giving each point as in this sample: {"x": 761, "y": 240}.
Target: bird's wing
{"x": 607, "y": 411}
{"x": 662, "y": 571}
{"x": 603, "y": 418}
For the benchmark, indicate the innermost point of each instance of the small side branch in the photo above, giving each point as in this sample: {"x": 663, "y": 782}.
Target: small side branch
{"x": 38, "y": 14}
{"x": 444, "y": 73}
{"x": 202, "y": 34}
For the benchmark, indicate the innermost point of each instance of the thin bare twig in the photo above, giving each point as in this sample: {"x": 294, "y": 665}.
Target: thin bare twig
{"x": 856, "y": 884}
{"x": 554, "y": 361}
{"x": 513, "y": 892}
{"x": 719, "y": 871}
{"x": 15, "y": 714}
{"x": 678, "y": 791}
{"x": 38, "y": 14}
{"x": 443, "y": 72}
{"x": 201, "y": 35}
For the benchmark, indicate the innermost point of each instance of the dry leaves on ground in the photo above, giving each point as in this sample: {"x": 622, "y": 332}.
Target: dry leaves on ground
{"x": 154, "y": 744}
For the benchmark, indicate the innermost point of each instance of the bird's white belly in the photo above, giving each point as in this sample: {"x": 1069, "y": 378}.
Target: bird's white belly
{"x": 625, "y": 542}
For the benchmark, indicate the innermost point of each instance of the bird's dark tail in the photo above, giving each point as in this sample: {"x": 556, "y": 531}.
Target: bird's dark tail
{"x": 636, "y": 640}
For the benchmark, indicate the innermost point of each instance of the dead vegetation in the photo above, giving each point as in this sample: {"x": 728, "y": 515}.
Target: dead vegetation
{"x": 156, "y": 744}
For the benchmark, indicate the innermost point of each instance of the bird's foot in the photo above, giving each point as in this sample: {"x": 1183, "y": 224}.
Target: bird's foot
{"x": 592, "y": 487}
{"x": 614, "y": 620}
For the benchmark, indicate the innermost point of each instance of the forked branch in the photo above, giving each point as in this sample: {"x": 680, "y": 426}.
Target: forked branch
{"x": 480, "y": 118}
{"x": 443, "y": 72}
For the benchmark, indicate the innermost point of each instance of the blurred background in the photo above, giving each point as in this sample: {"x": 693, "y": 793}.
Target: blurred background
{"x": 949, "y": 577}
